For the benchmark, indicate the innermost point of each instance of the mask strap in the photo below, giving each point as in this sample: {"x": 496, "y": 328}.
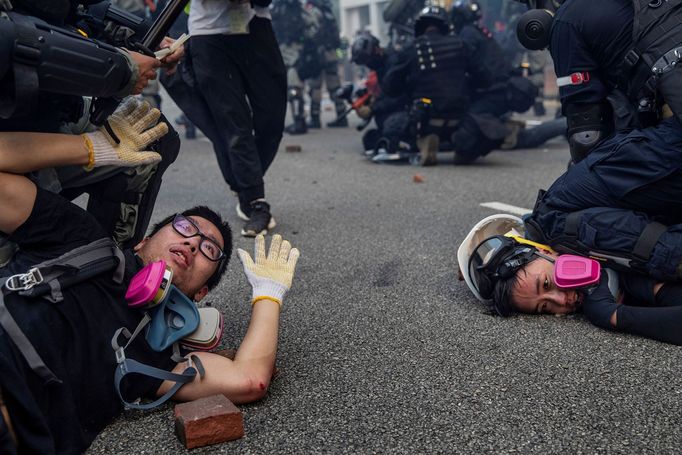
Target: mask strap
{"x": 129, "y": 366}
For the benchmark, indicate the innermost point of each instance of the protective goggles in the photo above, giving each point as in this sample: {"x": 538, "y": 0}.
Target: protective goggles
{"x": 187, "y": 228}
{"x": 498, "y": 258}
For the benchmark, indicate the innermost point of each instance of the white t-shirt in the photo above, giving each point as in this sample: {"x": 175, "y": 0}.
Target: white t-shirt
{"x": 216, "y": 17}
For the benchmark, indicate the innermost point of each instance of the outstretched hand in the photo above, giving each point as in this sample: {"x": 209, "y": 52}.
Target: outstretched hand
{"x": 270, "y": 276}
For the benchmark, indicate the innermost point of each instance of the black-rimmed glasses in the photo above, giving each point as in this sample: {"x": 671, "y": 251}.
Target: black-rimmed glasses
{"x": 187, "y": 228}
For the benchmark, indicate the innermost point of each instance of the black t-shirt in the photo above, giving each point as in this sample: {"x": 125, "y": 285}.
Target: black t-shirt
{"x": 73, "y": 337}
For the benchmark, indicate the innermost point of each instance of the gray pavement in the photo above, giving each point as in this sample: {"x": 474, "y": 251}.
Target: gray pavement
{"x": 382, "y": 350}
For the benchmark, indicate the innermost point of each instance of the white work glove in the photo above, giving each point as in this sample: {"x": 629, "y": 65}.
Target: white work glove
{"x": 135, "y": 125}
{"x": 271, "y": 275}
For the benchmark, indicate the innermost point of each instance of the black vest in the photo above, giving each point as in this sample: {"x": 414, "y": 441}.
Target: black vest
{"x": 441, "y": 64}
{"x": 657, "y": 33}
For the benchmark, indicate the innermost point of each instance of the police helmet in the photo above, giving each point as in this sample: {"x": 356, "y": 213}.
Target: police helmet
{"x": 364, "y": 47}
{"x": 431, "y": 15}
{"x": 465, "y": 11}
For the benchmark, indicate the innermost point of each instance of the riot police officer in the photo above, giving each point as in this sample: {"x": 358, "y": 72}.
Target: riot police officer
{"x": 390, "y": 112}
{"x": 486, "y": 125}
{"x": 47, "y": 96}
{"x": 327, "y": 42}
{"x": 436, "y": 71}
{"x": 622, "y": 195}
{"x": 295, "y": 27}
{"x": 607, "y": 81}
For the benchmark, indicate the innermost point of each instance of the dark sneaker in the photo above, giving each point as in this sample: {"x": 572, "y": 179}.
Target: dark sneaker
{"x": 383, "y": 156}
{"x": 338, "y": 123}
{"x": 243, "y": 212}
{"x": 260, "y": 220}
{"x": 315, "y": 122}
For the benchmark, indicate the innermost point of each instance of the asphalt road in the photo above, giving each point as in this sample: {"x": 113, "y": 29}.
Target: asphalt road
{"x": 382, "y": 350}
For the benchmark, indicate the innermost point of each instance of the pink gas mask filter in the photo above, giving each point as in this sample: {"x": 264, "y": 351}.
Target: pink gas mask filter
{"x": 576, "y": 272}
{"x": 150, "y": 285}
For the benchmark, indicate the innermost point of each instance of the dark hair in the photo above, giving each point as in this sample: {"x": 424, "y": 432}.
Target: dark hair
{"x": 217, "y": 221}
{"x": 502, "y": 302}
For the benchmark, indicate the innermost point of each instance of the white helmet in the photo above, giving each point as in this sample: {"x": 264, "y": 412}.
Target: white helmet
{"x": 499, "y": 224}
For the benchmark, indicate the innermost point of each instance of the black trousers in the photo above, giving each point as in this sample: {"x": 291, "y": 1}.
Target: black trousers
{"x": 242, "y": 82}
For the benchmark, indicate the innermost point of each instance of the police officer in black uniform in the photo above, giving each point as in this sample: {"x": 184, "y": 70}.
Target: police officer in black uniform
{"x": 436, "y": 71}
{"x": 51, "y": 73}
{"x": 390, "y": 112}
{"x": 482, "y": 129}
{"x": 486, "y": 125}
{"x": 623, "y": 194}
{"x": 607, "y": 81}
{"x": 328, "y": 42}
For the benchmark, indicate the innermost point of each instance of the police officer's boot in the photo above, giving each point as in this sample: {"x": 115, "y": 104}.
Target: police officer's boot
{"x": 298, "y": 127}
{"x": 340, "y": 122}
{"x": 298, "y": 112}
{"x": 314, "y": 117}
{"x": 428, "y": 149}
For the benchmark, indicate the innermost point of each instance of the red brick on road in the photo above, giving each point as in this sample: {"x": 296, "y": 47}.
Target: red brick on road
{"x": 209, "y": 420}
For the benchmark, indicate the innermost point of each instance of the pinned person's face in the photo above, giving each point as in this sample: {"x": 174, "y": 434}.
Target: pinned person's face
{"x": 536, "y": 293}
{"x": 191, "y": 267}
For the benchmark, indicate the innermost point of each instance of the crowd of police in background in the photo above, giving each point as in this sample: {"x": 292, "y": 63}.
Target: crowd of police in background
{"x": 443, "y": 82}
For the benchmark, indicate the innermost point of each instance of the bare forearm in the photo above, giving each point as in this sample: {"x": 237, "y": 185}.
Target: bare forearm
{"x": 25, "y": 152}
{"x": 258, "y": 350}
{"x": 246, "y": 378}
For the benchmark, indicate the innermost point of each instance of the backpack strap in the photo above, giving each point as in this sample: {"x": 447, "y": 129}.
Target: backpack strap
{"x": 72, "y": 267}
{"x": 51, "y": 276}
{"x": 23, "y": 344}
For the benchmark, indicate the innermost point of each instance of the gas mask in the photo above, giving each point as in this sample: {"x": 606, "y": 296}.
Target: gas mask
{"x": 534, "y": 27}
{"x": 173, "y": 317}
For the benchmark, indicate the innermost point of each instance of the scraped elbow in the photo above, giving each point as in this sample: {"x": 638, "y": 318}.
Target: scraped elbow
{"x": 255, "y": 388}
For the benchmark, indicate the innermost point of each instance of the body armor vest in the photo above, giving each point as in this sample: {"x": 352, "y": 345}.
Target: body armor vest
{"x": 441, "y": 72}
{"x": 650, "y": 66}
